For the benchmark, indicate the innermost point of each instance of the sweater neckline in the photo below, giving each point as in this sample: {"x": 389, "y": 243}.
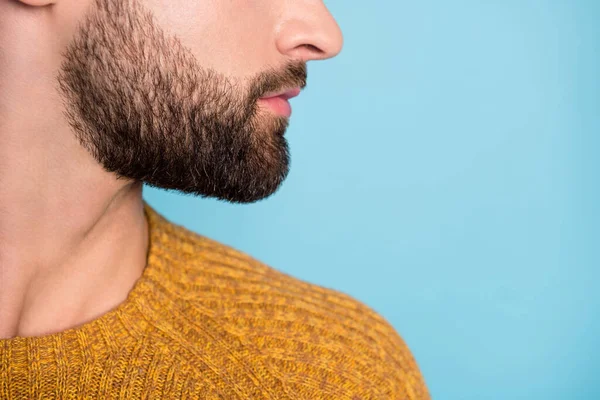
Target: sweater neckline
{"x": 123, "y": 321}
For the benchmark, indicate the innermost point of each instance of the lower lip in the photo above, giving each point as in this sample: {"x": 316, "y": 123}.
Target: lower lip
{"x": 278, "y": 104}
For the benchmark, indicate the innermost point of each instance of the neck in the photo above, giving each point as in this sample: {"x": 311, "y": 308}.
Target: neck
{"x": 65, "y": 263}
{"x": 73, "y": 238}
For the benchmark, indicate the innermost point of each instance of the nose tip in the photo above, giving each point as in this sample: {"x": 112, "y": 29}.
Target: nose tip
{"x": 310, "y": 34}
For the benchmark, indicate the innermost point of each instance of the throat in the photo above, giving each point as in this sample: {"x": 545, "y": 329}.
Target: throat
{"x": 85, "y": 274}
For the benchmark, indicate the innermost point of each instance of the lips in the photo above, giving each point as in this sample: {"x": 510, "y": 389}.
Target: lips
{"x": 278, "y": 101}
{"x": 288, "y": 94}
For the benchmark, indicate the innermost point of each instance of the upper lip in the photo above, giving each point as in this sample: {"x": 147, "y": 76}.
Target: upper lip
{"x": 285, "y": 94}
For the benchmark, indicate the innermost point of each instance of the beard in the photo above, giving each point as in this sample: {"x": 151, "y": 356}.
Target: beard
{"x": 144, "y": 108}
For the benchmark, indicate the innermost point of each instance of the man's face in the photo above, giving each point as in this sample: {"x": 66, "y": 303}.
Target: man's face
{"x": 167, "y": 92}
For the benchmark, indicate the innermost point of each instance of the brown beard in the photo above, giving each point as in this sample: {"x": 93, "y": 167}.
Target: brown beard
{"x": 140, "y": 103}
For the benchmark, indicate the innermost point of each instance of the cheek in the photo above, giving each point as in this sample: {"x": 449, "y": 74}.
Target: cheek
{"x": 69, "y": 14}
{"x": 233, "y": 37}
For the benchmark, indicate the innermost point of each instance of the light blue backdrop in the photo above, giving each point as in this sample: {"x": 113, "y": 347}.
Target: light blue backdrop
{"x": 445, "y": 173}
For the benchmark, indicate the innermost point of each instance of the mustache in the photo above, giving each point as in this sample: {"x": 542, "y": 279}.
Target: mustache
{"x": 293, "y": 74}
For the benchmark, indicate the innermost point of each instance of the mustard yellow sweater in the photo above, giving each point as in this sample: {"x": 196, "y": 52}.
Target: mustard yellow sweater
{"x": 205, "y": 321}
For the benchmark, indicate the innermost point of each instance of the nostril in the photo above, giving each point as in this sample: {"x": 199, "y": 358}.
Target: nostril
{"x": 310, "y": 52}
{"x": 314, "y": 49}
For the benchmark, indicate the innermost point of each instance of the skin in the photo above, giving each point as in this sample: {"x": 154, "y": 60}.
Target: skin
{"x": 87, "y": 117}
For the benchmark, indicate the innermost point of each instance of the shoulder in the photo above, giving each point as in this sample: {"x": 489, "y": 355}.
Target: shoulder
{"x": 315, "y": 339}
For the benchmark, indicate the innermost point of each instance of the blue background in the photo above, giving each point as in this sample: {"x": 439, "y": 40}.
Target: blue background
{"x": 445, "y": 172}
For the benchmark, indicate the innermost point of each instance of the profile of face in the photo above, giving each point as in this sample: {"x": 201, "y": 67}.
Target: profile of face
{"x": 167, "y": 91}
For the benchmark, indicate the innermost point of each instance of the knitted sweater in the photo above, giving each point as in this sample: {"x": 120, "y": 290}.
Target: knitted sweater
{"x": 205, "y": 321}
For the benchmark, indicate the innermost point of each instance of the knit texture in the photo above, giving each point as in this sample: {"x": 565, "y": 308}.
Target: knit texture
{"x": 205, "y": 321}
